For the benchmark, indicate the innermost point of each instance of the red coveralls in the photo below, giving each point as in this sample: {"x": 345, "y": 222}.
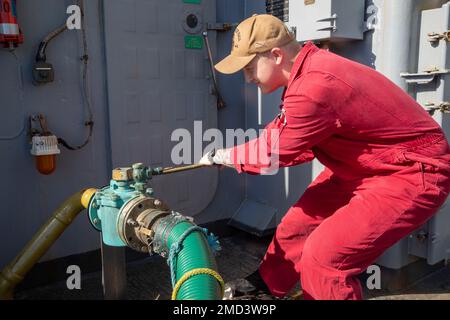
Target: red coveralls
{"x": 387, "y": 172}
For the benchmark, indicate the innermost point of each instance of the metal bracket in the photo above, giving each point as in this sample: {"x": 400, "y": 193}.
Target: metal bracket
{"x": 221, "y": 27}
{"x": 436, "y": 37}
{"x": 34, "y": 120}
{"x": 294, "y": 31}
{"x": 444, "y": 107}
{"x": 424, "y": 77}
{"x": 332, "y": 27}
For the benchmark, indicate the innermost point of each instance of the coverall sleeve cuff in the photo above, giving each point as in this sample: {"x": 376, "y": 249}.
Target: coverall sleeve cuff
{"x": 236, "y": 164}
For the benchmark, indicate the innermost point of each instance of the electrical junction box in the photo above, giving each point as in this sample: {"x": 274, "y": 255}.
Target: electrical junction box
{"x": 327, "y": 19}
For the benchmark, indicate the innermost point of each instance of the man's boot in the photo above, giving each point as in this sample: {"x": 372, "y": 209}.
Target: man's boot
{"x": 251, "y": 287}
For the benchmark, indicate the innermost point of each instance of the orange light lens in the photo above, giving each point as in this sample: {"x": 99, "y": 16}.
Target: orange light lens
{"x": 46, "y": 164}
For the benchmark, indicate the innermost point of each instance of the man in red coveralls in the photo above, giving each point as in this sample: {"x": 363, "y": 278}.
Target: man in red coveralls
{"x": 387, "y": 161}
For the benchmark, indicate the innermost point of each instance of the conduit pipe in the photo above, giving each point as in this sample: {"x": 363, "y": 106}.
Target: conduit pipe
{"x": 15, "y": 272}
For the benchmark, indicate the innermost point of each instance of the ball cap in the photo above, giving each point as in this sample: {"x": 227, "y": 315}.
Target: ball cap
{"x": 257, "y": 34}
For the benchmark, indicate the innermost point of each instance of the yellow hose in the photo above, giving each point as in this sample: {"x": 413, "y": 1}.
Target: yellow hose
{"x": 14, "y": 273}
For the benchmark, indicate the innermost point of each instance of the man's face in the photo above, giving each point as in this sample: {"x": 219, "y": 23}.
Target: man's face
{"x": 263, "y": 71}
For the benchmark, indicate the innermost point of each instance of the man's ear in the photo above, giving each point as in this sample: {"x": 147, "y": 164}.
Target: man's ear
{"x": 277, "y": 54}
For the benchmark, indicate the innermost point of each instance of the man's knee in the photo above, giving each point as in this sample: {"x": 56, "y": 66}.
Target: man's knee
{"x": 294, "y": 225}
{"x": 320, "y": 254}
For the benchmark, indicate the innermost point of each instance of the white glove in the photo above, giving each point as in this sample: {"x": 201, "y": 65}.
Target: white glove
{"x": 220, "y": 156}
{"x": 207, "y": 159}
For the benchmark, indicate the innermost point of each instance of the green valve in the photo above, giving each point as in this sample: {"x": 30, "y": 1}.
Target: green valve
{"x": 192, "y": 1}
{"x": 193, "y": 42}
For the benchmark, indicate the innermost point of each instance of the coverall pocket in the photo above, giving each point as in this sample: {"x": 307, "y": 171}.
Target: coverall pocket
{"x": 430, "y": 176}
{"x": 428, "y": 169}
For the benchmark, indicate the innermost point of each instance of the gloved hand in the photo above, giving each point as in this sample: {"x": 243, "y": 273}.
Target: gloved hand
{"x": 207, "y": 159}
{"x": 220, "y": 156}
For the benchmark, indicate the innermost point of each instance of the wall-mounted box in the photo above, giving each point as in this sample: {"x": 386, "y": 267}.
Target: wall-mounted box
{"x": 327, "y": 19}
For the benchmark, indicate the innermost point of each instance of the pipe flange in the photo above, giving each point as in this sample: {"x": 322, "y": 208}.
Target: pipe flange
{"x": 136, "y": 218}
{"x": 93, "y": 207}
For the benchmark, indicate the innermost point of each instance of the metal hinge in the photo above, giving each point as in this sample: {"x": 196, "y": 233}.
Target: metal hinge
{"x": 432, "y": 107}
{"x": 423, "y": 77}
{"x": 435, "y": 37}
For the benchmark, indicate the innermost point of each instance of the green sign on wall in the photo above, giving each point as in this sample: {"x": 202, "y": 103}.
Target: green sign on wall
{"x": 193, "y": 42}
{"x": 192, "y": 1}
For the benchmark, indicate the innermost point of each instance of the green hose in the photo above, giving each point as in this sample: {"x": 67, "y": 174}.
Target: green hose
{"x": 195, "y": 254}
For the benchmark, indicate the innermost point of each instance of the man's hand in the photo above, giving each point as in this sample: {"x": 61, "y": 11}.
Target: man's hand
{"x": 220, "y": 157}
{"x": 207, "y": 159}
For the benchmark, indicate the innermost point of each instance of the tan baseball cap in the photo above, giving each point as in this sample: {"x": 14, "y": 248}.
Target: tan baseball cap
{"x": 257, "y": 34}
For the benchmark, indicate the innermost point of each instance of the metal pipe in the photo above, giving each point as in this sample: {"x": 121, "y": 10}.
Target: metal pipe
{"x": 398, "y": 17}
{"x": 220, "y": 101}
{"x": 41, "y": 56}
{"x": 169, "y": 170}
{"x": 15, "y": 272}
